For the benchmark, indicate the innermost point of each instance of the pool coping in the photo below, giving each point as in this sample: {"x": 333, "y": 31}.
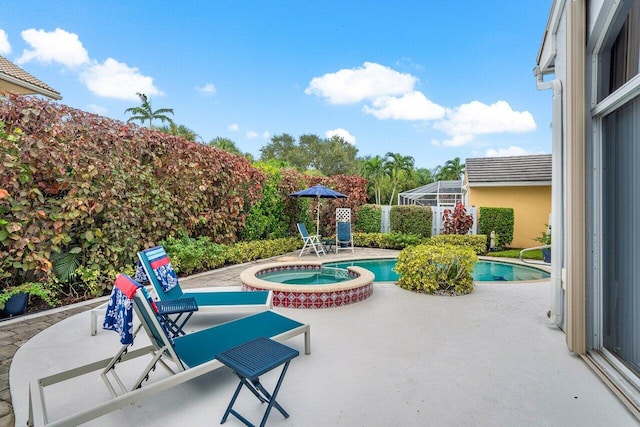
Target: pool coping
{"x": 248, "y": 278}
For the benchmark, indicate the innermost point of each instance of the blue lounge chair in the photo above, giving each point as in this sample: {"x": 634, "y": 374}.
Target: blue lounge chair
{"x": 310, "y": 242}
{"x": 158, "y": 270}
{"x": 154, "y": 266}
{"x": 184, "y": 357}
{"x": 344, "y": 237}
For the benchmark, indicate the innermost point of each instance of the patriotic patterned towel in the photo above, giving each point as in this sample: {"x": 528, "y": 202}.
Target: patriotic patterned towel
{"x": 119, "y": 315}
{"x": 160, "y": 266}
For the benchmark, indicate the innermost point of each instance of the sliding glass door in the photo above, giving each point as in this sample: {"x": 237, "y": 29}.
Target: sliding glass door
{"x": 621, "y": 234}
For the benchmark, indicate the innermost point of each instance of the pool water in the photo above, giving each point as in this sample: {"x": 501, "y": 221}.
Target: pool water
{"x": 307, "y": 277}
{"x": 484, "y": 271}
{"x": 383, "y": 269}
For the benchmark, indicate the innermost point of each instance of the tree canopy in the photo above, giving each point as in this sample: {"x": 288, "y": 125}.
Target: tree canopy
{"x": 332, "y": 156}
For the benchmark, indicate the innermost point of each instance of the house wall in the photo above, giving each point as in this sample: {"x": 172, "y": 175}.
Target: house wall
{"x": 531, "y": 208}
{"x": 583, "y": 263}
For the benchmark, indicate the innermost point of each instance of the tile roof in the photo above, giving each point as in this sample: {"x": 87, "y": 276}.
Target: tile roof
{"x": 16, "y": 76}
{"x": 516, "y": 169}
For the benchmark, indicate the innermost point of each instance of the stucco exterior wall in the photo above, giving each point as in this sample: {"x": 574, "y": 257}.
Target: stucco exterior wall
{"x": 531, "y": 208}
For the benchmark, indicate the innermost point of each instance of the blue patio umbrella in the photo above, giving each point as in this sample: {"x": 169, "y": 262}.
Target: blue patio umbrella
{"x": 319, "y": 191}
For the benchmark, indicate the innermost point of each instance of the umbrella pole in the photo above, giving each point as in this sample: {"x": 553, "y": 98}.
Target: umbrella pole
{"x": 318, "y": 218}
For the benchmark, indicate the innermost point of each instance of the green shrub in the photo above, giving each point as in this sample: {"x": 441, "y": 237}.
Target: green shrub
{"x": 369, "y": 219}
{"x": 251, "y": 251}
{"x": 411, "y": 220}
{"x": 500, "y": 220}
{"x": 194, "y": 255}
{"x": 385, "y": 240}
{"x": 430, "y": 268}
{"x": 267, "y": 218}
{"x": 32, "y": 289}
{"x": 478, "y": 242}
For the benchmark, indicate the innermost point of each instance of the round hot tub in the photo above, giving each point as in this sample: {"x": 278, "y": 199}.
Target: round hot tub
{"x": 306, "y": 284}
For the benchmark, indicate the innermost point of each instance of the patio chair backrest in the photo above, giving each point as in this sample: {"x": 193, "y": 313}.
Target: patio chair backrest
{"x": 157, "y": 266}
{"x": 146, "y": 311}
{"x": 344, "y": 231}
{"x": 303, "y": 230}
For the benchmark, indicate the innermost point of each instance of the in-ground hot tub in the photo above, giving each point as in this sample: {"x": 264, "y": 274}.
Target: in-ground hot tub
{"x": 328, "y": 288}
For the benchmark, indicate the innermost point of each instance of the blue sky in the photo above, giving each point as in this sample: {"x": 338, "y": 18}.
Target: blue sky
{"x": 431, "y": 79}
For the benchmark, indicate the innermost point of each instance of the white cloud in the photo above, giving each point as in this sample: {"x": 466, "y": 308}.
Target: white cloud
{"x": 208, "y": 89}
{"x": 455, "y": 141}
{"x": 506, "y": 152}
{"x": 353, "y": 85}
{"x": 97, "y": 109}
{"x": 410, "y": 106}
{"x": 57, "y": 46}
{"x": 113, "y": 79}
{"x": 5, "y": 47}
{"x": 233, "y": 127}
{"x": 251, "y": 134}
{"x": 266, "y": 135}
{"x": 463, "y": 123}
{"x": 342, "y": 133}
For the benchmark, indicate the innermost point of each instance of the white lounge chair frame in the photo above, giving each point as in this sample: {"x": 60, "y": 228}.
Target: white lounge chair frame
{"x": 121, "y": 394}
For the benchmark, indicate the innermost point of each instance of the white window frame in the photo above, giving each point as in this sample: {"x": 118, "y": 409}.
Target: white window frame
{"x": 627, "y": 92}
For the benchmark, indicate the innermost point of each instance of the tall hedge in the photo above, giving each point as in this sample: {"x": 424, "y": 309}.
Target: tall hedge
{"x": 77, "y": 188}
{"x": 411, "y": 220}
{"x": 269, "y": 218}
{"x": 500, "y": 220}
{"x": 369, "y": 219}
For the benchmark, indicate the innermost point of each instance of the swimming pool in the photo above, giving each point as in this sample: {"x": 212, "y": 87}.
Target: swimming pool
{"x": 484, "y": 271}
{"x": 312, "y": 284}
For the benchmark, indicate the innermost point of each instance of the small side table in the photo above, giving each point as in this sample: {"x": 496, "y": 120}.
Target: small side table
{"x": 249, "y": 361}
{"x": 327, "y": 244}
{"x": 182, "y": 306}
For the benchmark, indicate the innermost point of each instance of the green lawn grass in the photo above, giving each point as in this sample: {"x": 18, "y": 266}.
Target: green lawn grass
{"x": 515, "y": 253}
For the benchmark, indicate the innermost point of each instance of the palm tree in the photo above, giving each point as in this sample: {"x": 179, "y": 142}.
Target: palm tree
{"x": 179, "y": 130}
{"x": 145, "y": 112}
{"x": 225, "y": 144}
{"x": 373, "y": 170}
{"x": 451, "y": 171}
{"x": 394, "y": 165}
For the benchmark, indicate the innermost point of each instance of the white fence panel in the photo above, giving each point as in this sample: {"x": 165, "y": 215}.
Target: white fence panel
{"x": 437, "y": 227}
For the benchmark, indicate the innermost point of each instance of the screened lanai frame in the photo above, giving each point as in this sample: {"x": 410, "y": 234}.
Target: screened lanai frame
{"x": 439, "y": 193}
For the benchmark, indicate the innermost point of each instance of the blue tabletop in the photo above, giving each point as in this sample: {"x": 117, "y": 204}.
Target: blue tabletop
{"x": 257, "y": 357}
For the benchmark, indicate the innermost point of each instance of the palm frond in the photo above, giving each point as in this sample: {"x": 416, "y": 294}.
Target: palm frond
{"x": 65, "y": 264}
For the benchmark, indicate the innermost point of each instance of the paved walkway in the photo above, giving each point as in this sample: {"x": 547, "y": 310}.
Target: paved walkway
{"x": 398, "y": 358}
{"x": 13, "y": 334}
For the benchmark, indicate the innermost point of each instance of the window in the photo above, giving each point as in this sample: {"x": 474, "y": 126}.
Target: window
{"x": 625, "y": 51}
{"x": 621, "y": 234}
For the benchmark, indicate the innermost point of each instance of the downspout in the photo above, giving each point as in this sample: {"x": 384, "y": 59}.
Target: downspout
{"x": 557, "y": 227}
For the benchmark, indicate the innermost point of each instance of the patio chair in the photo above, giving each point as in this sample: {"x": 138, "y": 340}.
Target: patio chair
{"x": 344, "y": 237}
{"x": 154, "y": 266}
{"x": 310, "y": 242}
{"x": 184, "y": 357}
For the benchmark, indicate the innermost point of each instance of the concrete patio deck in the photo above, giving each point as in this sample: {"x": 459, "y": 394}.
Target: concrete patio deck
{"x": 397, "y": 359}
